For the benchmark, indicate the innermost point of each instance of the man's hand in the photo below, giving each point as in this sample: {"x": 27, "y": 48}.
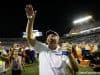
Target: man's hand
{"x": 30, "y": 12}
{"x": 67, "y": 47}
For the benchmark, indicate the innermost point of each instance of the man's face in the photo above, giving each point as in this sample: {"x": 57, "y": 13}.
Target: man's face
{"x": 52, "y": 39}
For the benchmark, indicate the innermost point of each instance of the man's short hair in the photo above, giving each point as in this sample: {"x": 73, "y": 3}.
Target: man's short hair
{"x": 51, "y": 32}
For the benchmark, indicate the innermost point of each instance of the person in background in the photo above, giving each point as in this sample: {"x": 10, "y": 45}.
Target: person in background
{"x": 78, "y": 52}
{"x": 16, "y": 63}
{"x": 3, "y": 59}
{"x": 32, "y": 54}
{"x": 27, "y": 55}
{"x": 93, "y": 47}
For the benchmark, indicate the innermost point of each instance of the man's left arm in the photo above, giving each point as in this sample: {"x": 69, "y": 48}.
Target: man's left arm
{"x": 73, "y": 62}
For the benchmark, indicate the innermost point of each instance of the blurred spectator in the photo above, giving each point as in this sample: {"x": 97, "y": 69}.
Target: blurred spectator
{"x": 27, "y": 55}
{"x": 32, "y": 54}
{"x": 16, "y": 63}
{"x": 3, "y": 59}
{"x": 95, "y": 63}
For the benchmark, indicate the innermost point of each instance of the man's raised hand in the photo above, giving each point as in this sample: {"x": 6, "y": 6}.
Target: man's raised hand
{"x": 30, "y": 12}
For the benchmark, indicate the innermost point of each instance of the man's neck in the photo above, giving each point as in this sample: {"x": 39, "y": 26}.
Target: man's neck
{"x": 52, "y": 46}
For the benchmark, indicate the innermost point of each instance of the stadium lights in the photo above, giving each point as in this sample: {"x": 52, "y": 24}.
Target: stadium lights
{"x": 37, "y": 33}
{"x": 89, "y": 30}
{"x": 82, "y": 19}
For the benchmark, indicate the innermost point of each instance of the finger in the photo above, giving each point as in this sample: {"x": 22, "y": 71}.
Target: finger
{"x": 26, "y": 9}
{"x": 35, "y": 12}
{"x": 28, "y": 5}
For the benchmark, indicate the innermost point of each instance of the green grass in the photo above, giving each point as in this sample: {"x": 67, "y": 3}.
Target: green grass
{"x": 29, "y": 69}
{"x": 83, "y": 70}
{"x": 32, "y": 69}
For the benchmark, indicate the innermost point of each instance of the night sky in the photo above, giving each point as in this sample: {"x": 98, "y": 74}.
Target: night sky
{"x": 56, "y": 15}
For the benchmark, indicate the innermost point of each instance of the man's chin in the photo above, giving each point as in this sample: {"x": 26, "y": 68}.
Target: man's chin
{"x": 52, "y": 43}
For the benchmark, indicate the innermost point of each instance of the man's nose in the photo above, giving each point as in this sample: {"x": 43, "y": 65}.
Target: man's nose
{"x": 52, "y": 36}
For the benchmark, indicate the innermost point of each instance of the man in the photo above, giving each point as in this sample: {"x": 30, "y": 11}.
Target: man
{"x": 50, "y": 55}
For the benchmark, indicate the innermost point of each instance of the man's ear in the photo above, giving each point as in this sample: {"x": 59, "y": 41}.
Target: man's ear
{"x": 46, "y": 41}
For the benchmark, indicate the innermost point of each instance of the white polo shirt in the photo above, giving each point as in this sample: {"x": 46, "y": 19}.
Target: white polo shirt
{"x": 50, "y": 61}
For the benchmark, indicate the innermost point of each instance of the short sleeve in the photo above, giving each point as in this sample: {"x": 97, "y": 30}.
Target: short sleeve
{"x": 39, "y": 46}
{"x": 4, "y": 52}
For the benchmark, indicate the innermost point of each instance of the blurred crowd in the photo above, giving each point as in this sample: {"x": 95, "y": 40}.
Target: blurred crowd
{"x": 18, "y": 55}
{"x": 87, "y": 54}
{"x": 25, "y": 54}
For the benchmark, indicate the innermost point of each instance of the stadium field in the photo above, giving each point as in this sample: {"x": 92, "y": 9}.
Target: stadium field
{"x": 32, "y": 69}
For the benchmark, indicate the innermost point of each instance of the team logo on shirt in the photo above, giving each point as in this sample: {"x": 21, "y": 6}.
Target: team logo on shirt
{"x": 58, "y": 53}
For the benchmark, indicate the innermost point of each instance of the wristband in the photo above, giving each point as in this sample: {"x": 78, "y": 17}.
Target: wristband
{"x": 29, "y": 17}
